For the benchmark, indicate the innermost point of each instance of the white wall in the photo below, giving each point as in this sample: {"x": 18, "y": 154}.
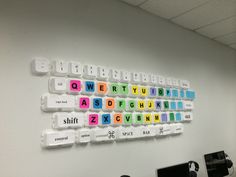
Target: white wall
{"x": 108, "y": 32}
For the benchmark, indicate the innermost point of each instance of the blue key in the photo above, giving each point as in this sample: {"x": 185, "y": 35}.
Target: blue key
{"x": 168, "y": 92}
{"x": 173, "y": 105}
{"x": 175, "y": 93}
{"x": 178, "y": 117}
{"x": 89, "y": 86}
{"x": 164, "y": 117}
{"x": 182, "y": 93}
{"x": 106, "y": 119}
{"x": 97, "y": 103}
{"x": 180, "y": 105}
{"x": 153, "y": 91}
{"x": 190, "y": 94}
{"x": 158, "y": 105}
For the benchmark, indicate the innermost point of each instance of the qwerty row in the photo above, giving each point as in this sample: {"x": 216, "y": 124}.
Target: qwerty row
{"x": 61, "y": 85}
{"x": 42, "y": 66}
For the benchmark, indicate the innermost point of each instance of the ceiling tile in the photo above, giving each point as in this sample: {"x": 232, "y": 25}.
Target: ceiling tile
{"x": 227, "y": 39}
{"x": 134, "y": 2}
{"x": 219, "y": 29}
{"x": 170, "y": 8}
{"x": 211, "y": 12}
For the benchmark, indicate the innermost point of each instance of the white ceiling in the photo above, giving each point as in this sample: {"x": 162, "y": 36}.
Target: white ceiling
{"x": 215, "y": 19}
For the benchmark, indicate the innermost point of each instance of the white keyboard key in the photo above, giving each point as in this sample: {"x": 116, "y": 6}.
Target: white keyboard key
{"x": 82, "y": 103}
{"x": 169, "y": 82}
{"x": 125, "y": 76}
{"x": 90, "y": 71}
{"x": 75, "y": 69}
{"x": 153, "y": 79}
{"x": 145, "y": 78}
{"x": 188, "y": 105}
{"x": 103, "y": 73}
{"x": 163, "y": 129}
{"x": 187, "y": 116}
{"x": 57, "y": 85}
{"x": 135, "y": 77}
{"x": 161, "y": 81}
{"x": 126, "y": 133}
{"x": 83, "y": 135}
{"x": 103, "y": 134}
{"x": 40, "y": 66}
{"x": 177, "y": 128}
{"x": 184, "y": 84}
{"x": 115, "y": 75}
{"x": 74, "y": 86}
{"x": 60, "y": 68}
{"x": 62, "y": 120}
{"x": 51, "y": 138}
{"x": 175, "y": 83}
{"x": 50, "y": 102}
{"x": 146, "y": 131}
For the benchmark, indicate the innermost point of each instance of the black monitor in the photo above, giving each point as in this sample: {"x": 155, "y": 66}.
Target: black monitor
{"x": 216, "y": 164}
{"x": 180, "y": 170}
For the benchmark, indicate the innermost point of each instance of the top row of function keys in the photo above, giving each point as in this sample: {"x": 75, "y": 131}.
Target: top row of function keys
{"x": 42, "y": 66}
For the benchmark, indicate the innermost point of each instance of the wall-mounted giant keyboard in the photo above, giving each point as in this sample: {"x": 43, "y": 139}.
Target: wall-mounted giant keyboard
{"x": 89, "y": 103}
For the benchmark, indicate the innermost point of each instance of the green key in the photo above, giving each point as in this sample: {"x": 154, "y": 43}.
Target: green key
{"x": 131, "y": 105}
{"x": 120, "y": 104}
{"x": 172, "y": 117}
{"x": 166, "y": 104}
{"x": 160, "y": 91}
{"x": 123, "y": 89}
{"x": 114, "y": 89}
{"x": 128, "y": 118}
{"x": 138, "y": 119}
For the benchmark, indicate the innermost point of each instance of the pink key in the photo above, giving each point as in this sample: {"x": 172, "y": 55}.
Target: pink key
{"x": 84, "y": 102}
{"x": 93, "y": 119}
{"x": 75, "y": 85}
